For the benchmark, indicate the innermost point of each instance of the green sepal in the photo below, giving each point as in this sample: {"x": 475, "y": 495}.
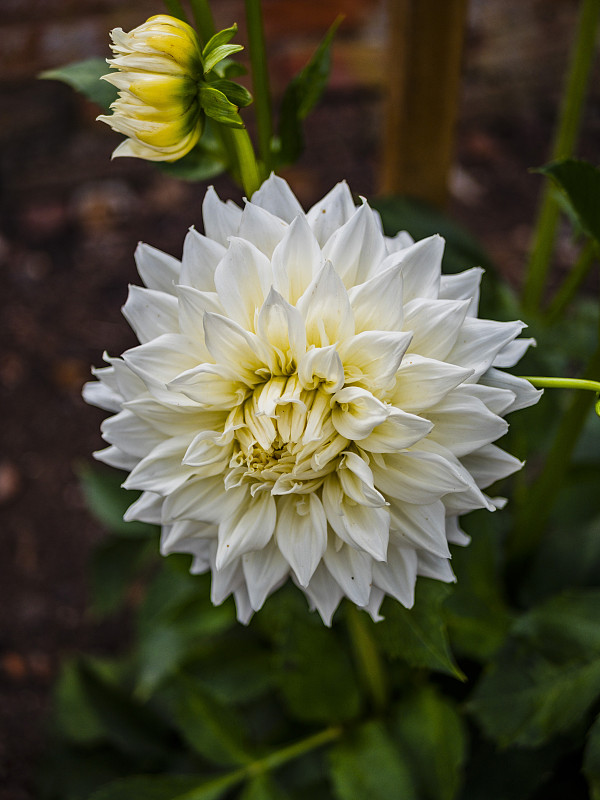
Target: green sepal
{"x": 300, "y": 97}
{"x": 85, "y": 77}
{"x": 234, "y": 92}
{"x": 216, "y": 105}
{"x": 217, "y": 48}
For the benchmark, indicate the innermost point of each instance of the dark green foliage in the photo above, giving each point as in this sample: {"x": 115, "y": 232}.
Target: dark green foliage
{"x": 85, "y": 77}
{"x": 579, "y": 183}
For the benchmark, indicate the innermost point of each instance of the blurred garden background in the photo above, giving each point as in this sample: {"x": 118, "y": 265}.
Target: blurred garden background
{"x": 70, "y": 219}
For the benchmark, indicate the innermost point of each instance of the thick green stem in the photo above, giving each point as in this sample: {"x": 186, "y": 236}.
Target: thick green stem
{"x": 260, "y": 80}
{"x": 238, "y": 143}
{"x": 572, "y": 282}
{"x": 535, "y": 510}
{"x": 564, "y": 142}
{"x": 204, "y": 19}
{"x": 367, "y": 657}
{"x": 176, "y": 10}
{"x": 564, "y": 383}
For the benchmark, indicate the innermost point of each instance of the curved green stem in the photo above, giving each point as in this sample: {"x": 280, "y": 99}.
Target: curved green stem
{"x": 564, "y": 142}
{"x": 260, "y": 80}
{"x": 564, "y": 383}
{"x": 534, "y": 513}
{"x": 368, "y": 661}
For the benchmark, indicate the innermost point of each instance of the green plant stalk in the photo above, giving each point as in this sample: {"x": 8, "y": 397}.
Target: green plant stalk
{"x": 260, "y": 81}
{"x": 176, "y": 10}
{"x": 203, "y": 18}
{"x": 237, "y": 142}
{"x": 534, "y": 512}
{"x": 367, "y": 658}
{"x": 564, "y": 142}
{"x": 270, "y": 762}
{"x": 572, "y": 282}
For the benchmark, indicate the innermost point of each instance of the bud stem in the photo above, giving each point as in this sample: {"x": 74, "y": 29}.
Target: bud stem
{"x": 260, "y": 80}
{"x": 203, "y": 18}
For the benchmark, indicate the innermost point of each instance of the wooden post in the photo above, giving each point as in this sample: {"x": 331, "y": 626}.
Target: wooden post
{"x": 423, "y": 79}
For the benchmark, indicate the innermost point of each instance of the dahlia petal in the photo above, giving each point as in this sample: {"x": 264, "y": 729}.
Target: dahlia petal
{"x": 324, "y": 594}
{"x": 264, "y": 571}
{"x": 209, "y": 453}
{"x": 199, "y": 261}
{"x": 420, "y": 526}
{"x": 489, "y": 464}
{"x": 201, "y": 500}
{"x": 261, "y": 228}
{"x": 513, "y": 352}
{"x": 326, "y": 309}
{"x": 368, "y": 529}
{"x": 158, "y": 270}
{"x": 130, "y": 433}
{"x": 463, "y": 286}
{"x": 397, "y": 577}
{"x": 226, "y": 581}
{"x": 377, "y": 303}
{"x": 422, "y": 382}
{"x": 98, "y": 394}
{"x": 436, "y": 325}
{"x": 375, "y": 600}
{"x": 242, "y": 279}
{"x": 417, "y": 477}
{"x": 497, "y": 400}
{"x": 373, "y": 357}
{"x": 129, "y": 385}
{"x": 421, "y": 266}
{"x": 281, "y": 326}
{"x": 462, "y": 424}
{"x": 430, "y": 566}
{"x": 301, "y": 534}
{"x": 210, "y": 385}
{"x": 159, "y": 361}
{"x": 151, "y": 313}
{"x": 455, "y": 534}
{"x": 189, "y": 536}
{"x": 221, "y": 220}
{"x": 238, "y": 350}
{"x": 243, "y": 606}
{"x": 526, "y": 395}
{"x": 400, "y": 241}
{"x": 330, "y": 213}
{"x": 276, "y": 197}
{"x": 161, "y": 471}
{"x": 147, "y": 508}
{"x": 357, "y": 248}
{"x": 356, "y": 479}
{"x": 249, "y": 528}
{"x": 296, "y": 260}
{"x": 193, "y": 304}
{"x": 356, "y": 412}
{"x": 479, "y": 343}
{"x": 352, "y": 570}
{"x": 116, "y": 458}
{"x": 321, "y": 364}
{"x": 398, "y": 431}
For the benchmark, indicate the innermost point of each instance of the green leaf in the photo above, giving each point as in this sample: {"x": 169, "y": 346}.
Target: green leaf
{"x": 84, "y": 76}
{"x": 132, "y": 728}
{"x": 209, "y": 727}
{"x": 159, "y": 787}
{"x": 108, "y": 502}
{"x": 301, "y": 95}
{"x": 237, "y": 94}
{"x": 366, "y": 764}
{"x": 418, "y": 635}
{"x": 545, "y": 679}
{"x": 74, "y": 714}
{"x": 476, "y": 611}
{"x": 433, "y": 736}
{"x": 421, "y": 220}
{"x": 580, "y": 183}
{"x": 115, "y": 563}
{"x": 591, "y": 759}
{"x": 217, "y": 106}
{"x": 311, "y": 666}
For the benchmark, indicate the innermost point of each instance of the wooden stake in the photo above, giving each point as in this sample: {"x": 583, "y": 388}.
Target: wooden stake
{"x": 424, "y": 62}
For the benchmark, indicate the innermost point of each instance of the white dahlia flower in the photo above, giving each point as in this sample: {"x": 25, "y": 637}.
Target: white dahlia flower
{"x": 310, "y": 400}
